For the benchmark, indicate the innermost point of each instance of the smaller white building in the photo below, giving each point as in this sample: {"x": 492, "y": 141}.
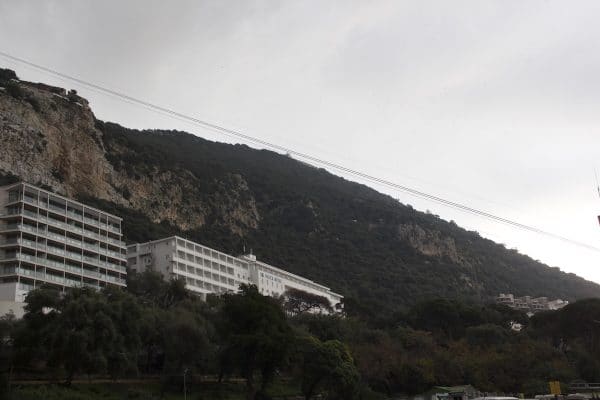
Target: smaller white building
{"x": 530, "y": 304}
{"x": 557, "y": 304}
{"x": 206, "y": 270}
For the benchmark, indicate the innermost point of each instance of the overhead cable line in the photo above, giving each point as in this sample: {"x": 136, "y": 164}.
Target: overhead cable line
{"x": 240, "y": 135}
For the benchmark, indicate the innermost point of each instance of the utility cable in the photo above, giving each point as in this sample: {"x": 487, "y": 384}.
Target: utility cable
{"x": 251, "y": 139}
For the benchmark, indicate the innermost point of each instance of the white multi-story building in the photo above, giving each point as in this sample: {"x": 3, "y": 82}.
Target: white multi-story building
{"x": 47, "y": 239}
{"x": 530, "y": 304}
{"x": 210, "y": 271}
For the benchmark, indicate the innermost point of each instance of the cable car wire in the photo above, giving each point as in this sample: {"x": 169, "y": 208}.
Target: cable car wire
{"x": 307, "y": 157}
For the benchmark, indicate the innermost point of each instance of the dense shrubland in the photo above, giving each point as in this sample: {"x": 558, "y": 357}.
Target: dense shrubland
{"x": 157, "y": 328}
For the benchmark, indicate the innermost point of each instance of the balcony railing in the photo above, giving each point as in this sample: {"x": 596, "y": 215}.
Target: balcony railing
{"x": 77, "y": 243}
{"x": 10, "y": 227}
{"x": 24, "y": 271}
{"x": 41, "y": 275}
{"x": 29, "y": 199}
{"x": 91, "y": 285}
{"x": 10, "y": 211}
{"x": 71, "y": 214}
{"x": 61, "y": 210}
{"x": 74, "y": 215}
{"x": 73, "y": 283}
{"x": 9, "y": 269}
{"x": 9, "y": 242}
{"x": 72, "y": 269}
{"x": 91, "y": 221}
{"x": 70, "y": 227}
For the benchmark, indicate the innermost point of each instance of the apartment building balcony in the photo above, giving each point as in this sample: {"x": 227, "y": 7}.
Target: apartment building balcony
{"x": 48, "y": 248}
{"x": 204, "y": 275}
{"x": 21, "y": 211}
{"x": 66, "y": 228}
{"x": 10, "y": 269}
{"x": 11, "y": 228}
{"x": 66, "y": 211}
{"x": 70, "y": 268}
{"x": 10, "y": 242}
{"x": 75, "y": 229}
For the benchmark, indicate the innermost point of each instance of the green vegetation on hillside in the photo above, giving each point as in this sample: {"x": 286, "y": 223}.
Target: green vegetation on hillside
{"x": 334, "y": 231}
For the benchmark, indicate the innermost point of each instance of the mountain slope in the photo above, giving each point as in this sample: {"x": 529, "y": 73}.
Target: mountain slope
{"x": 382, "y": 255}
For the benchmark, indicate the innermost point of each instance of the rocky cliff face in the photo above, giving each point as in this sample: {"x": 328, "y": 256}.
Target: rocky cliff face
{"x": 49, "y": 137}
{"x": 50, "y": 140}
{"x": 429, "y": 243}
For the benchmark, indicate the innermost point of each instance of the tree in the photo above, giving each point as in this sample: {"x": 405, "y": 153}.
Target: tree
{"x": 186, "y": 341}
{"x": 415, "y": 377}
{"x": 126, "y": 314}
{"x": 84, "y": 334}
{"x": 7, "y": 74}
{"x": 486, "y": 335}
{"x": 8, "y": 325}
{"x": 84, "y": 331}
{"x": 328, "y": 367}
{"x": 438, "y": 316}
{"x": 153, "y": 290}
{"x": 296, "y": 302}
{"x": 255, "y": 336}
{"x": 33, "y": 338}
{"x": 581, "y": 321}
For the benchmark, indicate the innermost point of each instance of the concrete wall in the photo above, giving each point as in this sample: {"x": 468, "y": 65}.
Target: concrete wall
{"x": 8, "y": 291}
{"x": 12, "y": 307}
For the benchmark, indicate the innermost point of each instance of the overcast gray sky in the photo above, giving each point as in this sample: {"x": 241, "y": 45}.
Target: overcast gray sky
{"x": 490, "y": 103}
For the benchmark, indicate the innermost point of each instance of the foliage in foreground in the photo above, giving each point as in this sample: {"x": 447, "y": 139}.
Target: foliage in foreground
{"x": 157, "y": 329}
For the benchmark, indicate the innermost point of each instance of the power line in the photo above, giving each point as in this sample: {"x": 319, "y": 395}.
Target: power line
{"x": 240, "y": 135}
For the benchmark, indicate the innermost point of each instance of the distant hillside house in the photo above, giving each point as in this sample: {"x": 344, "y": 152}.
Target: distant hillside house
{"x": 206, "y": 270}
{"x": 50, "y": 240}
{"x": 530, "y": 304}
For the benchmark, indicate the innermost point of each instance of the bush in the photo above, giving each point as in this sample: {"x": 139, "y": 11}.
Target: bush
{"x": 57, "y": 173}
{"x": 7, "y": 74}
{"x": 4, "y": 395}
{"x": 34, "y": 103}
{"x": 126, "y": 193}
{"x": 8, "y": 178}
{"x": 15, "y": 90}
